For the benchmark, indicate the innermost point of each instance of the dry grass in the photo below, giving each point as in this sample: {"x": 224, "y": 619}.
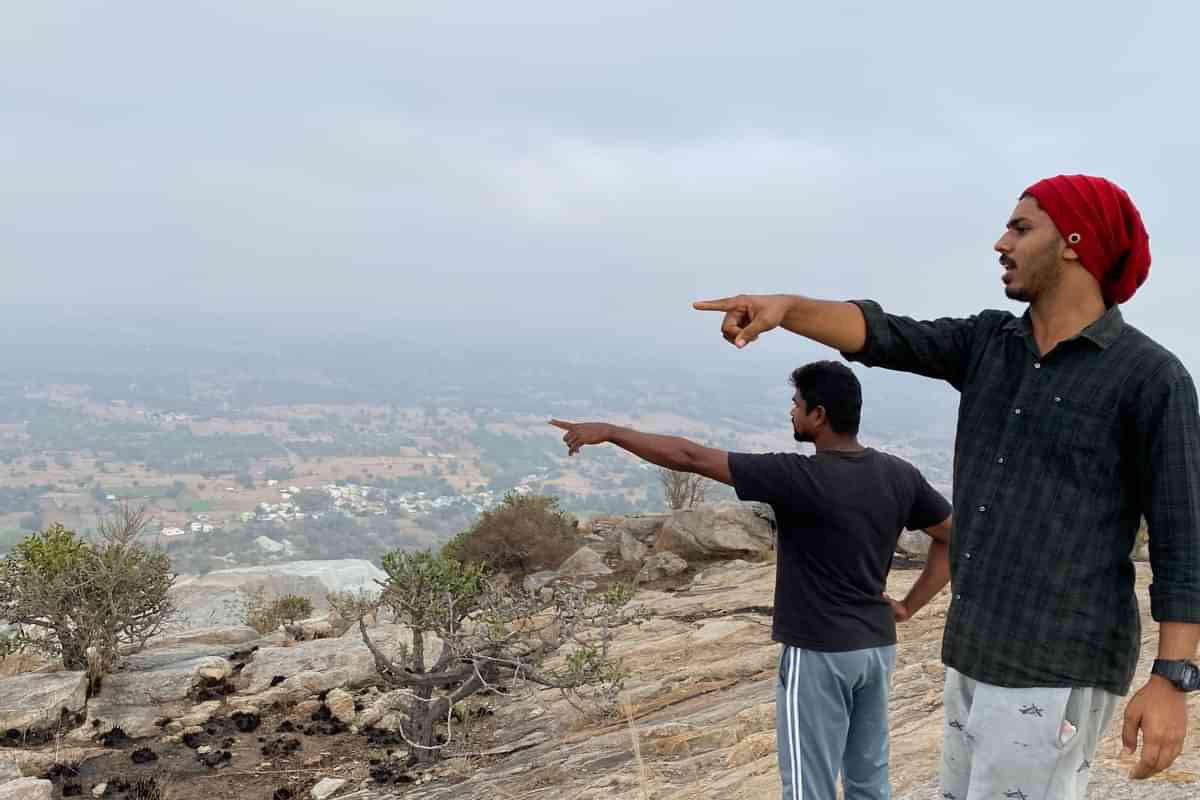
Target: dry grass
{"x": 645, "y": 781}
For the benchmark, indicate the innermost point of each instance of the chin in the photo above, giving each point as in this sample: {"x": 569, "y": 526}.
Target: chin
{"x": 1017, "y": 293}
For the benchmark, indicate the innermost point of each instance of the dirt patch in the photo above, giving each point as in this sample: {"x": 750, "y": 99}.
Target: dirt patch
{"x": 275, "y": 755}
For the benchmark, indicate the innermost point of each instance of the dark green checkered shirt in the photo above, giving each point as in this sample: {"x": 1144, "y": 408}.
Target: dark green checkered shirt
{"x": 1055, "y": 461}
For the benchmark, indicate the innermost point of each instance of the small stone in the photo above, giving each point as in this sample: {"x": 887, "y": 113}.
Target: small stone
{"x": 308, "y": 707}
{"x": 341, "y": 705}
{"x": 326, "y": 788}
{"x": 99, "y": 789}
{"x": 214, "y": 669}
{"x": 202, "y": 749}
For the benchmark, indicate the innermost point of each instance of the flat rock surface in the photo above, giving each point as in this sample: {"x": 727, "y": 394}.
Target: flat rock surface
{"x": 36, "y": 701}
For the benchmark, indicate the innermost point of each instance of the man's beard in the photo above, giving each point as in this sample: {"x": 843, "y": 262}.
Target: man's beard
{"x": 1041, "y": 278}
{"x": 803, "y": 438}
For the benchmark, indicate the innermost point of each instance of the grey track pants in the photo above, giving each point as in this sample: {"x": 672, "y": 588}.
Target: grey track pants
{"x": 832, "y": 717}
{"x": 1020, "y": 744}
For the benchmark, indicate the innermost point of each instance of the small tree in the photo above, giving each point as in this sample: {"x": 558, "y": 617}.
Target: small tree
{"x": 682, "y": 489}
{"x": 91, "y": 599}
{"x": 266, "y": 615}
{"x": 491, "y": 640}
{"x": 525, "y": 533}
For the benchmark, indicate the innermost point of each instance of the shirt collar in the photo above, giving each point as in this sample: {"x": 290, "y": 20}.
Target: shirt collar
{"x": 1102, "y": 332}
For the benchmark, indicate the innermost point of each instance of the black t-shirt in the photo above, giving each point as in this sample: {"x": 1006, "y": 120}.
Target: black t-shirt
{"x": 839, "y": 516}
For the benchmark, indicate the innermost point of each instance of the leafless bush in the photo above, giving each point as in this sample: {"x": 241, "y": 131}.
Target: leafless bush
{"x": 492, "y": 641}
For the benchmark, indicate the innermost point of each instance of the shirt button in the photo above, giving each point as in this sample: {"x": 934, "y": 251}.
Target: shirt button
{"x": 968, "y": 556}
{"x": 1058, "y": 399}
{"x": 982, "y": 509}
{"x": 1037, "y": 365}
{"x": 1016, "y": 411}
{"x": 958, "y": 597}
{"x": 1000, "y": 460}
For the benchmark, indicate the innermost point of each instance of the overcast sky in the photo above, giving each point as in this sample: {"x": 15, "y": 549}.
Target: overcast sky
{"x": 572, "y": 168}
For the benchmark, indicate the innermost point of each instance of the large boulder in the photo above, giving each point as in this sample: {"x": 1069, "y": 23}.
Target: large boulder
{"x": 219, "y": 598}
{"x": 189, "y": 645}
{"x": 717, "y": 531}
{"x": 642, "y": 527}
{"x": 36, "y": 702}
{"x": 585, "y": 562}
{"x": 221, "y": 635}
{"x": 631, "y": 549}
{"x": 140, "y": 703}
{"x": 914, "y": 544}
{"x": 342, "y": 662}
{"x": 661, "y": 565}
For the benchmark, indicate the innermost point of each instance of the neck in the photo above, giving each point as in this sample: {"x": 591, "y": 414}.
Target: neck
{"x": 1061, "y": 314}
{"x": 838, "y": 443}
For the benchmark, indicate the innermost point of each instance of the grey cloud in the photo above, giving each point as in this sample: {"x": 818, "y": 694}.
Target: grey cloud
{"x": 602, "y": 165}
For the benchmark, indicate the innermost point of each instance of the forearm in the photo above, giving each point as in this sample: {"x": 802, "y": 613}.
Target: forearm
{"x": 1178, "y": 640}
{"x": 672, "y": 452}
{"x": 933, "y": 578}
{"x": 836, "y": 324}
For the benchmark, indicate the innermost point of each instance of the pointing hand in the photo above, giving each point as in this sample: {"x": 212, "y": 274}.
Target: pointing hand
{"x": 579, "y": 434}
{"x": 747, "y": 316}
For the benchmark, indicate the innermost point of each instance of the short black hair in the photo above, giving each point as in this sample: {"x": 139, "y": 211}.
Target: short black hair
{"x": 834, "y": 386}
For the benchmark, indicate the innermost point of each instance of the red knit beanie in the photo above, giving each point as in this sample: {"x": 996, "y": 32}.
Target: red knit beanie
{"x": 1102, "y": 225}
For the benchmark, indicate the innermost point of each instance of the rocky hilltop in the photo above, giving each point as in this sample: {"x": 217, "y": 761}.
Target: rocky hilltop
{"x": 220, "y": 712}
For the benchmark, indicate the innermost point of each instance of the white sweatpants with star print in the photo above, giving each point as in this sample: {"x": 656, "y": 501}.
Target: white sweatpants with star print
{"x": 1020, "y": 744}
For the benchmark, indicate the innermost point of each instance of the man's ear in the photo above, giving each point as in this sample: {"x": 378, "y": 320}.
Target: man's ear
{"x": 821, "y": 416}
{"x": 1068, "y": 243}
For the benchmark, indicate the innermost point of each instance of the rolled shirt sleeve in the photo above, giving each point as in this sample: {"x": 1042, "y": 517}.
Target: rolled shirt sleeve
{"x": 1168, "y": 425}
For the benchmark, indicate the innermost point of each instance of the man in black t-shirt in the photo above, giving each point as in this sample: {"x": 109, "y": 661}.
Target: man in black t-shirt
{"x": 839, "y": 514}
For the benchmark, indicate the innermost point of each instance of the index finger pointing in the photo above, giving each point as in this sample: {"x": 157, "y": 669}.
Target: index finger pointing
{"x": 558, "y": 423}
{"x": 722, "y": 304}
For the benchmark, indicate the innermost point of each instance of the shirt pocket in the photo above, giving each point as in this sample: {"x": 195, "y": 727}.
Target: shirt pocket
{"x": 1084, "y": 442}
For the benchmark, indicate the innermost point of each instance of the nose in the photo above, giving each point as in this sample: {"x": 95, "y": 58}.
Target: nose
{"x": 1002, "y": 245}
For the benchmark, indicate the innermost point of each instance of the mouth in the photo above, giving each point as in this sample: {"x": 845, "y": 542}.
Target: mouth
{"x": 1009, "y": 269}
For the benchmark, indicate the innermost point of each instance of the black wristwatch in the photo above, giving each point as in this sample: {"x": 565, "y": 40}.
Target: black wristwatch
{"x": 1184, "y": 674}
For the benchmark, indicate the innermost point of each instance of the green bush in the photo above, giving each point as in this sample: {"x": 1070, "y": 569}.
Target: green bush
{"x": 265, "y": 615}
{"x": 99, "y": 596}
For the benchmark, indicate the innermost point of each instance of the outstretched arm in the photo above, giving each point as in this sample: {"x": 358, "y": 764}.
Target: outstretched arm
{"x": 672, "y": 452}
{"x": 747, "y": 316}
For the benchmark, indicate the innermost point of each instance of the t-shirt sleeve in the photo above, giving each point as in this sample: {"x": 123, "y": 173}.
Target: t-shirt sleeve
{"x": 780, "y": 479}
{"x": 929, "y": 506}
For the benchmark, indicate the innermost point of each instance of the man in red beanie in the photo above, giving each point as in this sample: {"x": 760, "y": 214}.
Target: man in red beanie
{"x": 1072, "y": 425}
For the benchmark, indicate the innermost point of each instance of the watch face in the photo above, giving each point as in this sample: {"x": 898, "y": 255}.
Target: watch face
{"x": 1191, "y": 678}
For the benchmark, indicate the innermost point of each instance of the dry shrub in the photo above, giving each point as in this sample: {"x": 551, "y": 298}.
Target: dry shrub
{"x": 524, "y": 534}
